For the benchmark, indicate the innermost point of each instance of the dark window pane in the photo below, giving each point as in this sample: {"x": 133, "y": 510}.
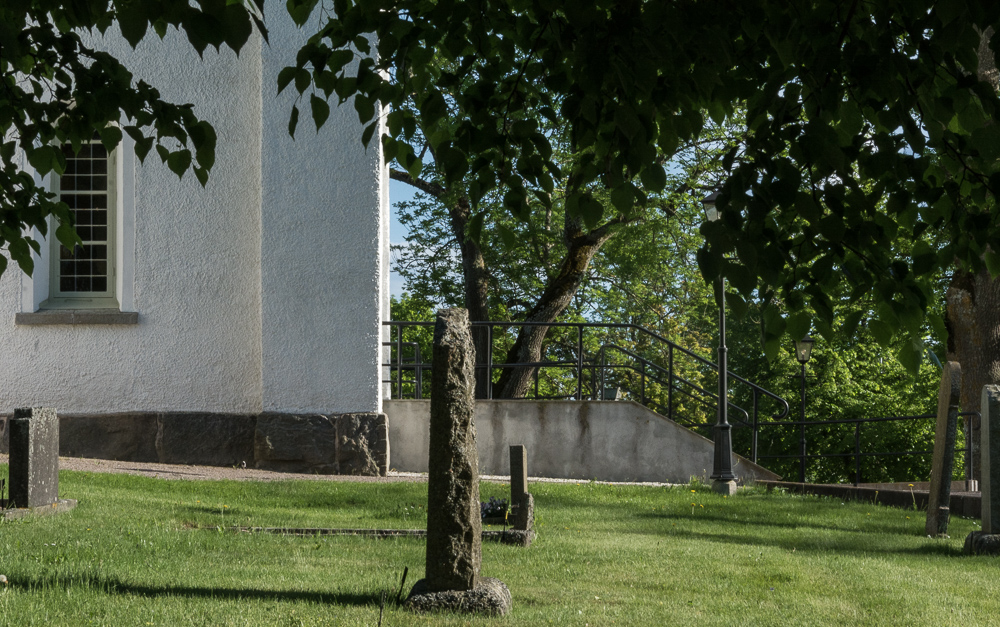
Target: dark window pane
{"x": 100, "y": 166}
{"x": 100, "y": 217}
{"x": 99, "y": 201}
{"x": 65, "y": 267}
{"x": 64, "y": 253}
{"x": 83, "y": 284}
{"x": 66, "y": 284}
{"x": 67, "y": 182}
{"x": 82, "y": 268}
{"x": 98, "y": 151}
{"x": 82, "y": 252}
{"x": 67, "y": 149}
{"x": 99, "y": 234}
{"x": 99, "y": 284}
{"x": 84, "y": 217}
{"x": 98, "y": 252}
{"x": 86, "y": 233}
{"x": 100, "y": 183}
{"x": 71, "y": 166}
{"x": 84, "y": 183}
{"x": 100, "y": 268}
{"x": 83, "y": 167}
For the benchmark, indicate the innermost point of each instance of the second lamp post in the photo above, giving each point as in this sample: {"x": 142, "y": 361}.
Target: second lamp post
{"x": 803, "y": 349}
{"x": 723, "y": 477}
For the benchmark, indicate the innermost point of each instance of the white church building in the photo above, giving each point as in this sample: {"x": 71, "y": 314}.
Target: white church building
{"x": 240, "y": 322}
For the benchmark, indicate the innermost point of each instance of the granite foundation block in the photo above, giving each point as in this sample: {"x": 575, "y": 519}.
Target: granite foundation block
{"x": 34, "y": 458}
{"x": 355, "y": 444}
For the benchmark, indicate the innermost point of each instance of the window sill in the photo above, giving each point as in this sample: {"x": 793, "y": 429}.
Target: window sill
{"x": 77, "y": 316}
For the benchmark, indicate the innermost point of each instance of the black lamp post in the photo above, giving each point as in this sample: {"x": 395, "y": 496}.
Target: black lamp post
{"x": 803, "y": 349}
{"x": 723, "y": 478}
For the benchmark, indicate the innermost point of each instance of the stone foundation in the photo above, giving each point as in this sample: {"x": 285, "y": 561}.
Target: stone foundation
{"x": 350, "y": 444}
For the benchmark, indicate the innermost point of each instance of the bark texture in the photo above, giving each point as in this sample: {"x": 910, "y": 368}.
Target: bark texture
{"x": 971, "y": 314}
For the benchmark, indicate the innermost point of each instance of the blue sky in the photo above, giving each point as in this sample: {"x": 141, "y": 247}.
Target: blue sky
{"x": 398, "y": 192}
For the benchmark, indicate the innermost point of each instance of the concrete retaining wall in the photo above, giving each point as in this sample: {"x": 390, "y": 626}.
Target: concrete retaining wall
{"x": 604, "y": 440}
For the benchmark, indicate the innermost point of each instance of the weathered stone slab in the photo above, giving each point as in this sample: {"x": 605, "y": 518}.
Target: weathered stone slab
{"x": 205, "y": 438}
{"x": 490, "y": 596}
{"x": 989, "y": 485}
{"x": 945, "y": 433}
{"x": 34, "y": 457}
{"x": 125, "y": 436}
{"x": 296, "y": 443}
{"x": 454, "y": 528}
{"x": 518, "y": 472}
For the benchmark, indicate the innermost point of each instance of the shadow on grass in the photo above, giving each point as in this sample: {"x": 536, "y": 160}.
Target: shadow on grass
{"x": 117, "y": 587}
{"x": 859, "y": 545}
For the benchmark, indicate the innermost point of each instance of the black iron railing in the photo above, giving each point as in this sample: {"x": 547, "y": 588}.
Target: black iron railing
{"x": 589, "y": 361}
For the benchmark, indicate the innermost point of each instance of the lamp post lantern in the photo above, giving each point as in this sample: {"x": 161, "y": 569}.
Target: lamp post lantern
{"x": 803, "y": 350}
{"x": 723, "y": 478}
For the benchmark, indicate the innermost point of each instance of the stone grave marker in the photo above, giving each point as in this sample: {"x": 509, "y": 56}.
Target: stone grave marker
{"x": 454, "y": 527}
{"x": 521, "y": 502}
{"x": 945, "y": 432}
{"x": 34, "y": 463}
{"x": 987, "y": 541}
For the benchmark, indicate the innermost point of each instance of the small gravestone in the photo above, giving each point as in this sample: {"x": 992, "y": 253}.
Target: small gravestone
{"x": 945, "y": 432}
{"x": 521, "y": 501}
{"x": 34, "y": 463}
{"x": 454, "y": 526}
{"x": 987, "y": 541}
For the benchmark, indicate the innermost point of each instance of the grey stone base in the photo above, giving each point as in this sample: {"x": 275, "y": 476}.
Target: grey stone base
{"x": 355, "y": 444}
{"x": 59, "y": 507}
{"x": 980, "y": 543}
{"x": 491, "y": 597}
{"x": 727, "y": 488}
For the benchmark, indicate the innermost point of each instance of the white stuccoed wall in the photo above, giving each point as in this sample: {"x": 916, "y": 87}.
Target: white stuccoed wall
{"x": 263, "y": 291}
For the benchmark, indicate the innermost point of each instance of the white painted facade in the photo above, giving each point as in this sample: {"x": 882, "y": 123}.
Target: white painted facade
{"x": 264, "y": 291}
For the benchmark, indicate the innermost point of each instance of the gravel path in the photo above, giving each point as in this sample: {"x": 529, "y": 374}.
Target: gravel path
{"x": 210, "y": 473}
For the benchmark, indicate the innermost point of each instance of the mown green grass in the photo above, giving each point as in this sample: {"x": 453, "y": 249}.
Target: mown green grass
{"x": 136, "y": 552}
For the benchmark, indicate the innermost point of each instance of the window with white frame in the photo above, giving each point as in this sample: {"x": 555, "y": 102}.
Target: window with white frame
{"x": 85, "y": 276}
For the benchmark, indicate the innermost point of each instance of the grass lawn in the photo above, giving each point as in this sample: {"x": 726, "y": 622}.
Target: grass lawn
{"x": 135, "y": 552}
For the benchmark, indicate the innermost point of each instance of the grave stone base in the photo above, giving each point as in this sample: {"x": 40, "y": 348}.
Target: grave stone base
{"x": 490, "y": 596}
{"x": 59, "y": 507}
{"x": 980, "y": 543}
{"x": 727, "y": 488}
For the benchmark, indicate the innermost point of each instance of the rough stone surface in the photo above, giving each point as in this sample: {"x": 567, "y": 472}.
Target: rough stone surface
{"x": 296, "y": 443}
{"x": 490, "y": 596}
{"x": 982, "y": 543}
{"x": 524, "y": 512}
{"x": 353, "y": 444}
{"x": 515, "y": 537}
{"x": 362, "y": 444}
{"x": 989, "y": 434}
{"x": 945, "y": 432}
{"x": 34, "y": 457}
{"x": 129, "y": 436}
{"x": 518, "y": 472}
{"x": 205, "y": 438}
{"x": 60, "y": 506}
{"x": 727, "y": 488}
{"x": 454, "y": 527}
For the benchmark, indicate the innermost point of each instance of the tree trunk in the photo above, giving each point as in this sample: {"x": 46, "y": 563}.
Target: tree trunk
{"x": 558, "y": 294}
{"x": 973, "y": 302}
{"x": 477, "y": 290}
{"x": 971, "y": 315}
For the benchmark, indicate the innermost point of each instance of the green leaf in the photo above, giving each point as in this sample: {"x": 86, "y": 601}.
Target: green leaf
{"x": 320, "y": 111}
{"x": 910, "y": 354}
{"x": 882, "y": 332}
{"x": 653, "y": 178}
{"x": 179, "y": 162}
{"x": 293, "y": 121}
{"x": 285, "y": 77}
{"x": 111, "y": 136}
{"x": 799, "y": 324}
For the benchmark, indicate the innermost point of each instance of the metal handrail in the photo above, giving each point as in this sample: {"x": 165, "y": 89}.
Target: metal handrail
{"x": 648, "y": 369}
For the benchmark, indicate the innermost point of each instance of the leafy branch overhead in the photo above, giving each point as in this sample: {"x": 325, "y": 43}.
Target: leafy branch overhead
{"x": 56, "y": 90}
{"x": 866, "y": 124}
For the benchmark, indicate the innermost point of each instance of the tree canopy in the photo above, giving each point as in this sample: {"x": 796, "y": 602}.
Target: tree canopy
{"x": 866, "y": 124}
{"x": 54, "y": 88}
